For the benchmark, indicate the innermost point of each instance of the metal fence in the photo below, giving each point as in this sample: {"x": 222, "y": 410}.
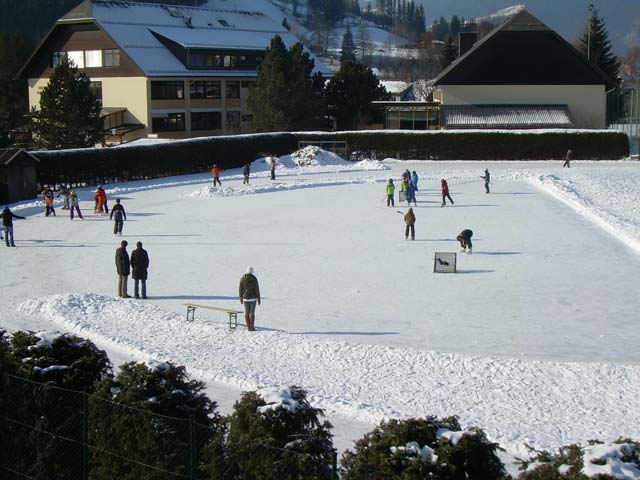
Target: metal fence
{"x": 623, "y": 114}
{"x": 49, "y": 433}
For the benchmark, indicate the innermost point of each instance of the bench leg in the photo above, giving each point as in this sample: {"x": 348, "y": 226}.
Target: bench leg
{"x": 191, "y": 314}
{"x": 233, "y": 320}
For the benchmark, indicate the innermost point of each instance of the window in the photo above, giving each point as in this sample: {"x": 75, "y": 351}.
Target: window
{"x": 111, "y": 58}
{"x": 230, "y": 61}
{"x": 96, "y": 89}
{"x": 214, "y": 60}
{"x": 206, "y": 120}
{"x": 168, "y": 122}
{"x": 56, "y": 58}
{"x": 77, "y": 57}
{"x": 202, "y": 89}
{"x": 224, "y": 23}
{"x": 233, "y": 120}
{"x": 232, "y": 89}
{"x": 92, "y": 58}
{"x": 167, "y": 90}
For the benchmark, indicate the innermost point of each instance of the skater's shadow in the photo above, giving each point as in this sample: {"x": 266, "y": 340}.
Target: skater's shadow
{"x": 140, "y": 214}
{"x": 194, "y": 297}
{"x": 476, "y": 271}
{"x": 513, "y": 193}
{"x": 375, "y": 334}
{"x": 166, "y": 235}
{"x": 497, "y": 253}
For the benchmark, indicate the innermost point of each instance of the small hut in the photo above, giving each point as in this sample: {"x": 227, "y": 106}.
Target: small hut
{"x": 18, "y": 180}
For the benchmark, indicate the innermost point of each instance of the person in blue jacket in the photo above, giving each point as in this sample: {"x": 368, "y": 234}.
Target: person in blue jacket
{"x": 414, "y": 179}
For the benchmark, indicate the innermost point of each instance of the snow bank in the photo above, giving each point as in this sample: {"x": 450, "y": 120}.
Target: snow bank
{"x": 371, "y": 382}
{"x": 210, "y": 191}
{"x": 610, "y": 459}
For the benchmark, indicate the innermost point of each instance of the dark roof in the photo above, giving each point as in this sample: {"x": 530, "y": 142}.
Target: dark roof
{"x": 7, "y": 155}
{"x": 505, "y": 116}
{"x": 522, "y": 51}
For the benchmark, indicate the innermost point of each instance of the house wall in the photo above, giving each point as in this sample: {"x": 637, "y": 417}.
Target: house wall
{"x": 587, "y": 103}
{"x": 128, "y": 92}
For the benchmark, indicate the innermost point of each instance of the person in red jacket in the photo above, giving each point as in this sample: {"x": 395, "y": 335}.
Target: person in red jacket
{"x": 215, "y": 171}
{"x": 445, "y": 193}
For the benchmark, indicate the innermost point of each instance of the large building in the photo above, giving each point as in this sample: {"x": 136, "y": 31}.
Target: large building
{"x": 523, "y": 74}
{"x": 170, "y": 71}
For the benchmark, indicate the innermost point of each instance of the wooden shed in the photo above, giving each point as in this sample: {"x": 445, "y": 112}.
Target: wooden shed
{"x": 18, "y": 180}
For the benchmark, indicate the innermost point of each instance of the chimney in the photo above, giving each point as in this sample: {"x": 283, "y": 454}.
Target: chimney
{"x": 466, "y": 40}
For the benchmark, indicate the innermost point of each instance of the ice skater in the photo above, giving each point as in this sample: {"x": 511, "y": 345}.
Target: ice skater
{"x": 245, "y": 172}
{"x": 64, "y": 193}
{"x": 567, "y": 159}
{"x": 411, "y": 193}
{"x": 414, "y": 179}
{"x": 7, "y": 225}
{"x": 48, "y": 203}
{"x": 465, "y": 240}
{"x": 409, "y": 221}
{"x": 119, "y": 216}
{"x": 249, "y": 292}
{"x": 272, "y": 166}
{"x": 75, "y": 204}
{"x": 215, "y": 171}
{"x": 487, "y": 179}
{"x": 391, "y": 190}
{"x": 445, "y": 192}
{"x": 101, "y": 201}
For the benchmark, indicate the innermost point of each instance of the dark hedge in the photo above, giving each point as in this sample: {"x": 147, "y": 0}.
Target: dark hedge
{"x": 479, "y": 145}
{"x": 107, "y": 165}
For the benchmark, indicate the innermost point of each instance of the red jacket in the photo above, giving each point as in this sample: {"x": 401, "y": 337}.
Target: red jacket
{"x": 445, "y": 187}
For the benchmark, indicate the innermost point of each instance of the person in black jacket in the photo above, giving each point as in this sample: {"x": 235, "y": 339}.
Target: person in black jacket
{"x": 120, "y": 216}
{"x": 245, "y": 172}
{"x": 465, "y": 240}
{"x": 123, "y": 267}
{"x": 7, "y": 224}
{"x": 139, "y": 266}
{"x": 249, "y": 293}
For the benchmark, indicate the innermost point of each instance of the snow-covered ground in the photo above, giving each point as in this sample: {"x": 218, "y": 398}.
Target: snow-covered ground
{"x": 534, "y": 340}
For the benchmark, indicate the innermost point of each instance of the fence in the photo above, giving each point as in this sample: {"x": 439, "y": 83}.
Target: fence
{"x": 47, "y": 433}
{"x": 623, "y": 114}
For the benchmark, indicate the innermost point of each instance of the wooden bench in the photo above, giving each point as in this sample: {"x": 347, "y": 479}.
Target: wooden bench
{"x": 233, "y": 314}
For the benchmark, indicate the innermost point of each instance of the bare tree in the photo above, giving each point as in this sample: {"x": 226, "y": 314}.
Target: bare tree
{"x": 362, "y": 42}
{"x": 632, "y": 66}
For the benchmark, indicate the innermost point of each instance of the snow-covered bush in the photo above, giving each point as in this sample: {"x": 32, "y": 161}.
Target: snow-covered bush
{"x": 422, "y": 448}
{"x": 275, "y": 434}
{"x": 602, "y": 461}
{"x": 152, "y": 415}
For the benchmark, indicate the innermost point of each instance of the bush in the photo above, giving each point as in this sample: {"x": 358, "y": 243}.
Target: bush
{"x": 122, "y": 425}
{"x": 277, "y": 441}
{"x": 479, "y": 145}
{"x": 418, "y": 448}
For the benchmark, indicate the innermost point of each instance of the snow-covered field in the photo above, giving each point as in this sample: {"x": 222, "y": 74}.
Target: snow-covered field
{"x": 534, "y": 340}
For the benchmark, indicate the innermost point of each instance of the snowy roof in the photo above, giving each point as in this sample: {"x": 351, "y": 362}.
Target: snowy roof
{"x": 131, "y": 26}
{"x": 506, "y": 116}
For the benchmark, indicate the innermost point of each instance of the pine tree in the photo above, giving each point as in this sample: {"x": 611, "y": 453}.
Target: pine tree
{"x": 456, "y": 26}
{"x": 278, "y": 442}
{"x": 449, "y": 52}
{"x": 350, "y": 93}
{"x": 69, "y": 113}
{"x": 348, "y": 52}
{"x": 595, "y": 45}
{"x": 153, "y": 416}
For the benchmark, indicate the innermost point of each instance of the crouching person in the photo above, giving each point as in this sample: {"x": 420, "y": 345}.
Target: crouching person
{"x": 465, "y": 240}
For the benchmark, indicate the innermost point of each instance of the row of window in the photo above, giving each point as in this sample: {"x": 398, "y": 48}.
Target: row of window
{"x": 174, "y": 90}
{"x": 175, "y": 122}
{"x": 89, "y": 58}
{"x": 202, "y": 60}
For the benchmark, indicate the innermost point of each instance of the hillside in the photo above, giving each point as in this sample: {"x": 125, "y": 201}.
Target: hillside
{"x": 568, "y": 17}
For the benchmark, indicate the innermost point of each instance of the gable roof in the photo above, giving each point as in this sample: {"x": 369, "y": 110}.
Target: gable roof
{"x": 135, "y": 27}
{"x": 522, "y": 51}
{"x": 8, "y": 155}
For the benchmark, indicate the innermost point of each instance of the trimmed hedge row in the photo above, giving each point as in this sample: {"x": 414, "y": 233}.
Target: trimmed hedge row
{"x": 91, "y": 166}
{"x": 481, "y": 145}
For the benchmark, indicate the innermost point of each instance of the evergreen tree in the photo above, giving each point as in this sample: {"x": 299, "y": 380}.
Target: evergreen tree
{"x": 69, "y": 114}
{"x": 68, "y": 366}
{"x": 456, "y": 26}
{"x": 411, "y": 449}
{"x": 449, "y": 52}
{"x": 595, "y": 45}
{"x": 350, "y": 93}
{"x": 14, "y": 50}
{"x": 278, "y": 442}
{"x": 154, "y": 416}
{"x": 283, "y": 97}
{"x": 348, "y": 52}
